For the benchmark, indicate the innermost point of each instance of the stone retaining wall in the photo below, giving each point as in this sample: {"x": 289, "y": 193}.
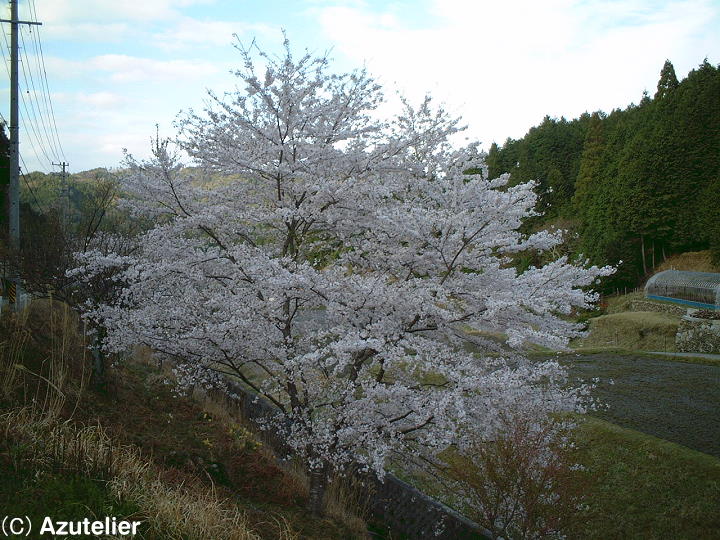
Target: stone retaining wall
{"x": 698, "y": 335}
{"x": 662, "y": 307}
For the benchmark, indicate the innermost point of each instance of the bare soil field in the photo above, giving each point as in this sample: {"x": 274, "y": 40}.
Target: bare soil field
{"x": 676, "y": 401}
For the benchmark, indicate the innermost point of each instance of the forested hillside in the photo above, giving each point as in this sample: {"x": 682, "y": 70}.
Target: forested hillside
{"x": 636, "y": 185}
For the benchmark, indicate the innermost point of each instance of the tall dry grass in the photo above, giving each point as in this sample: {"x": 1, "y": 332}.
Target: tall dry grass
{"x": 693, "y": 261}
{"x": 43, "y": 377}
{"x": 188, "y": 511}
{"x": 42, "y": 358}
{"x": 345, "y": 501}
{"x": 12, "y": 347}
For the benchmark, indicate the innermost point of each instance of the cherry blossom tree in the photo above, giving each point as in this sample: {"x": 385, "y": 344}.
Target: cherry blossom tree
{"x": 334, "y": 263}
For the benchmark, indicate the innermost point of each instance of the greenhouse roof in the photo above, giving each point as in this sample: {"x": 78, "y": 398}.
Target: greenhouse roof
{"x": 700, "y": 289}
{"x": 681, "y": 277}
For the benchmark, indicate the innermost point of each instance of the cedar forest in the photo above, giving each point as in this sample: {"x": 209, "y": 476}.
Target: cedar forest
{"x": 634, "y": 185}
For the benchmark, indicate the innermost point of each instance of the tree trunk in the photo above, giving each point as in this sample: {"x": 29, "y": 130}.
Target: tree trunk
{"x": 653, "y": 255}
{"x": 318, "y": 483}
{"x": 642, "y": 251}
{"x": 98, "y": 369}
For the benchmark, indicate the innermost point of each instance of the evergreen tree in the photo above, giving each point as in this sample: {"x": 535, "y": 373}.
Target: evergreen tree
{"x": 639, "y": 183}
{"x": 493, "y": 161}
{"x": 668, "y": 80}
{"x": 693, "y": 114}
{"x": 590, "y": 165}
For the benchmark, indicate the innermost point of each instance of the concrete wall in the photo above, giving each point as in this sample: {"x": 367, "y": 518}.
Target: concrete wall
{"x": 405, "y": 510}
{"x": 394, "y": 504}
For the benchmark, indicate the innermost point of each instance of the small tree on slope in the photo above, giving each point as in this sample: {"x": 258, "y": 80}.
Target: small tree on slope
{"x": 336, "y": 272}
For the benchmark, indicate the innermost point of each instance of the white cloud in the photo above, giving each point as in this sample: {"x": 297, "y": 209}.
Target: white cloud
{"x": 189, "y": 33}
{"x": 84, "y": 32}
{"x": 108, "y": 20}
{"x": 103, "y": 100}
{"x": 126, "y": 69}
{"x": 67, "y": 11}
{"x": 131, "y": 69}
{"x": 104, "y": 149}
{"x": 504, "y": 65}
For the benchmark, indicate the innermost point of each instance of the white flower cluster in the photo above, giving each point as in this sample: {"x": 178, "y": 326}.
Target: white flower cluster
{"x": 333, "y": 263}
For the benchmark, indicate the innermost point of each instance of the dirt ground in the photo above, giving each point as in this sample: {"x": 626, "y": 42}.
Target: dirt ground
{"x": 676, "y": 401}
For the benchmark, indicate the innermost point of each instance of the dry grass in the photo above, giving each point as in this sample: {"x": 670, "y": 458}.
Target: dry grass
{"x": 623, "y": 303}
{"x": 694, "y": 261}
{"x": 42, "y": 358}
{"x": 42, "y": 380}
{"x": 343, "y": 498}
{"x": 186, "y": 511}
{"x": 183, "y": 472}
{"x": 249, "y": 469}
{"x": 11, "y": 350}
{"x": 344, "y": 502}
{"x": 633, "y": 330}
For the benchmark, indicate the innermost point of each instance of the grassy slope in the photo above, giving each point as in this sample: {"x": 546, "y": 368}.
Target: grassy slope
{"x": 182, "y": 435}
{"x": 622, "y": 328}
{"x": 645, "y": 487}
{"x": 633, "y": 330}
{"x": 192, "y": 447}
{"x": 636, "y": 487}
{"x": 64, "y": 497}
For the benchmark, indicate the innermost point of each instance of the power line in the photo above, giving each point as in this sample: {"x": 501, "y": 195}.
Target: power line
{"x": 39, "y": 122}
{"x": 27, "y": 171}
{"x": 29, "y": 186}
{"x": 30, "y": 119}
{"x": 14, "y": 186}
{"x": 24, "y": 175}
{"x": 48, "y": 118}
{"x": 42, "y": 124}
{"x": 22, "y": 119}
{"x": 28, "y": 125}
{"x": 44, "y": 76}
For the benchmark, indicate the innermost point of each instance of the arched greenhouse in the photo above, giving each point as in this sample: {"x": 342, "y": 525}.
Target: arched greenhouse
{"x": 696, "y": 289}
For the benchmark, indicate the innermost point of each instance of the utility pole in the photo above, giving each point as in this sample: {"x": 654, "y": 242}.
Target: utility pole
{"x": 64, "y": 193}
{"x": 14, "y": 187}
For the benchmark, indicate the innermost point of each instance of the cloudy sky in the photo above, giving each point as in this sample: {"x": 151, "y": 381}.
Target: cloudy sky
{"x": 115, "y": 69}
